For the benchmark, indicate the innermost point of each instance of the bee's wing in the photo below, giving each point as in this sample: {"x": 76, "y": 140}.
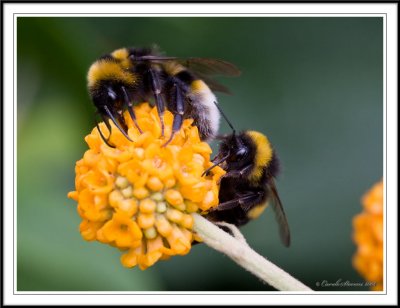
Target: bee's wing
{"x": 203, "y": 68}
{"x": 211, "y": 67}
{"x": 156, "y": 58}
{"x": 280, "y": 215}
{"x": 206, "y": 69}
{"x": 213, "y": 84}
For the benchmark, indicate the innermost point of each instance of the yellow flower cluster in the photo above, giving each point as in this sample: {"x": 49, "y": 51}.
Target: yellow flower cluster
{"x": 368, "y": 236}
{"x": 139, "y": 196}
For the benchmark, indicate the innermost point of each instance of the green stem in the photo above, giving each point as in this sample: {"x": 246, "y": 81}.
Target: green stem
{"x": 241, "y": 253}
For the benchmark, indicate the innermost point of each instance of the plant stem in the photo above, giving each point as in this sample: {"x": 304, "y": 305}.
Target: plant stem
{"x": 241, "y": 253}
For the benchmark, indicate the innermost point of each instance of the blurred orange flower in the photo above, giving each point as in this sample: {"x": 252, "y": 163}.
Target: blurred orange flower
{"x": 368, "y": 236}
{"x": 139, "y": 196}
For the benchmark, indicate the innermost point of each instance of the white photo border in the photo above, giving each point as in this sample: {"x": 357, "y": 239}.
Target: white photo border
{"x": 386, "y": 10}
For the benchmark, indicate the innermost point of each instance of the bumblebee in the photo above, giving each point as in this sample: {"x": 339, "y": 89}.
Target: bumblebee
{"x": 127, "y": 76}
{"x": 251, "y": 165}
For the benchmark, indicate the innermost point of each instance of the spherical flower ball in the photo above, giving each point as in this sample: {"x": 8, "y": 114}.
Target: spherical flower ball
{"x": 368, "y": 237}
{"x": 139, "y": 196}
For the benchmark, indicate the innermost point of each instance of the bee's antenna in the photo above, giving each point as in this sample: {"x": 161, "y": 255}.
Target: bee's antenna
{"x": 220, "y": 161}
{"x": 224, "y": 116}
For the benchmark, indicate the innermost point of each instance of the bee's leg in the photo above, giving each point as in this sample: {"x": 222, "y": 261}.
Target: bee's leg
{"x": 112, "y": 117}
{"x": 218, "y": 156}
{"x": 129, "y": 105}
{"x": 178, "y": 116}
{"x": 218, "y": 162}
{"x": 214, "y": 159}
{"x": 156, "y": 87}
{"x": 245, "y": 202}
{"x": 238, "y": 173}
{"x": 232, "y": 230}
{"x": 101, "y": 134}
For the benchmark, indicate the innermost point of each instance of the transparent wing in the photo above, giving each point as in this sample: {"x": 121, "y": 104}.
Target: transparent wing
{"x": 213, "y": 84}
{"x": 206, "y": 69}
{"x": 203, "y": 68}
{"x": 211, "y": 67}
{"x": 280, "y": 215}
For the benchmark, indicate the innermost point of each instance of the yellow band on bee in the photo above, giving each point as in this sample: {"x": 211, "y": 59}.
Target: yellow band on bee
{"x": 198, "y": 85}
{"x": 256, "y": 211}
{"x": 120, "y": 54}
{"x": 173, "y": 68}
{"x": 263, "y": 154}
{"x": 105, "y": 69}
{"x": 123, "y": 56}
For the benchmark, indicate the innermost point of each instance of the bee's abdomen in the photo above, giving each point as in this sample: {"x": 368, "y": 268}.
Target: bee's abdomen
{"x": 200, "y": 100}
{"x": 203, "y": 102}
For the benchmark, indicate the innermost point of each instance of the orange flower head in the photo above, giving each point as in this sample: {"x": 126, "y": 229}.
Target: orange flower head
{"x": 368, "y": 237}
{"x": 139, "y": 196}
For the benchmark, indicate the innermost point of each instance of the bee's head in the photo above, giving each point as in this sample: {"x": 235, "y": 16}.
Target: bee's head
{"x": 106, "y": 79}
{"x": 238, "y": 151}
{"x": 108, "y": 93}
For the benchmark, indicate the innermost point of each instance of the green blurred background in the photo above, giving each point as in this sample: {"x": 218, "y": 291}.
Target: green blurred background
{"x": 313, "y": 85}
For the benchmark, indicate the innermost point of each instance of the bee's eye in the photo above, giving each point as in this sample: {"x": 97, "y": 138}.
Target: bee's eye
{"x": 111, "y": 94}
{"x": 241, "y": 153}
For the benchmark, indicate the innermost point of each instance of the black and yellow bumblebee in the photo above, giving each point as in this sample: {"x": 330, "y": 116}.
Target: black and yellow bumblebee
{"x": 119, "y": 80}
{"x": 251, "y": 165}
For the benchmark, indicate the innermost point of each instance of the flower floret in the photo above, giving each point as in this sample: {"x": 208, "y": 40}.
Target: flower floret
{"x": 139, "y": 196}
{"x": 368, "y": 236}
